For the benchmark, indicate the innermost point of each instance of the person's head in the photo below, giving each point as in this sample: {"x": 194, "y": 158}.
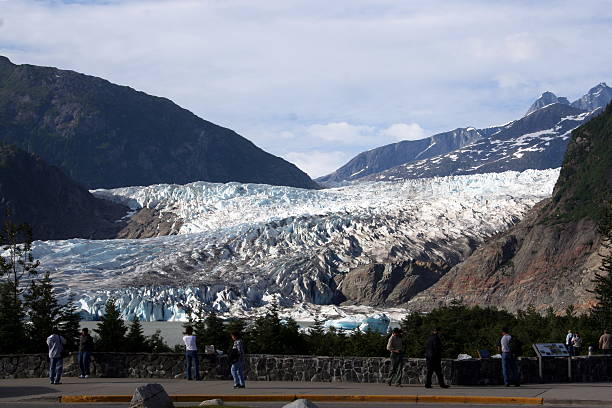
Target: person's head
{"x": 55, "y": 330}
{"x": 396, "y": 332}
{"x": 577, "y": 334}
{"x": 189, "y": 330}
{"x": 505, "y": 330}
{"x": 436, "y": 330}
{"x": 85, "y": 331}
{"x": 606, "y": 331}
{"x": 569, "y": 331}
{"x": 235, "y": 335}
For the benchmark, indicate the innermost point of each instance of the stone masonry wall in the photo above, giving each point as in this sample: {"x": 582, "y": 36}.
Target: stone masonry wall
{"x": 308, "y": 368}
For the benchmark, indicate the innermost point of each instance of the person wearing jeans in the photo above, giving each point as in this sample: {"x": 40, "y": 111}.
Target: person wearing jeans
{"x": 191, "y": 354}
{"x": 509, "y": 365}
{"x": 56, "y": 343}
{"x": 237, "y": 360}
{"x": 85, "y": 349}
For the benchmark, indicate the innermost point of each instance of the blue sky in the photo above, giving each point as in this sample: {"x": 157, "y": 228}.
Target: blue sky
{"x": 317, "y": 81}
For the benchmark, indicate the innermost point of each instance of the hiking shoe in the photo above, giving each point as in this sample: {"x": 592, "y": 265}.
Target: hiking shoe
{"x": 86, "y": 376}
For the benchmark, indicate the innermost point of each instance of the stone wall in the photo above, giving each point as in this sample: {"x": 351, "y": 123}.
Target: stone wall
{"x": 309, "y": 368}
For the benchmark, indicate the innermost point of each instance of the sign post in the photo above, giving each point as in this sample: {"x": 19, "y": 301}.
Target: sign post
{"x": 546, "y": 350}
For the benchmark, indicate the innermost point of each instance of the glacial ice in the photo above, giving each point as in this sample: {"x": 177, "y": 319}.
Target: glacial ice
{"x": 242, "y": 245}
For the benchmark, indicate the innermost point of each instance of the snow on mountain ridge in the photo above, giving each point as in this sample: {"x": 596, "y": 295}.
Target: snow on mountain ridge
{"x": 243, "y": 244}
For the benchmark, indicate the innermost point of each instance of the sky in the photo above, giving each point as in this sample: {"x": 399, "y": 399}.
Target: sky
{"x": 317, "y": 82}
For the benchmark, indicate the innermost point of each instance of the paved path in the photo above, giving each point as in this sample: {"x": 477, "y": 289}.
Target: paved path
{"x": 37, "y": 390}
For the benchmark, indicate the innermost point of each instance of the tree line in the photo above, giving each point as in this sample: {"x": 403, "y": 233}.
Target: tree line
{"x": 29, "y": 310}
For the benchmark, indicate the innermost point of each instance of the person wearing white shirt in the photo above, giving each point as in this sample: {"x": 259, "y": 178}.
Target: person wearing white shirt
{"x": 191, "y": 354}
{"x": 569, "y": 342}
{"x": 509, "y": 366}
{"x": 56, "y": 343}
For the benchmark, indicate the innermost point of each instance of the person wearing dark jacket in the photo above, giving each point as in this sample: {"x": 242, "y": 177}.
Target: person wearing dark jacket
{"x": 85, "y": 349}
{"x": 433, "y": 358}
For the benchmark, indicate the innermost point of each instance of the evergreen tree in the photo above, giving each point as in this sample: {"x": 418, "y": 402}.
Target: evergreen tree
{"x": 135, "y": 340}
{"x": 602, "y": 311}
{"x": 155, "y": 343}
{"x": 199, "y": 329}
{"x": 70, "y": 324}
{"x": 16, "y": 262}
{"x": 43, "y": 312}
{"x": 214, "y": 332}
{"x": 12, "y": 329}
{"x": 316, "y": 337}
{"x": 111, "y": 329}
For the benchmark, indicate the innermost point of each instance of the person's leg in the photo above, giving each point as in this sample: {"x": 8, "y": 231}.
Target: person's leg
{"x": 438, "y": 371}
{"x": 505, "y": 368}
{"x": 196, "y": 364}
{"x": 59, "y": 369}
{"x": 429, "y": 374}
{"x": 241, "y": 373}
{"x": 52, "y": 366}
{"x": 87, "y": 362}
{"x": 234, "y": 371}
{"x": 188, "y": 364}
{"x": 394, "y": 366}
{"x": 516, "y": 375}
{"x": 400, "y": 370}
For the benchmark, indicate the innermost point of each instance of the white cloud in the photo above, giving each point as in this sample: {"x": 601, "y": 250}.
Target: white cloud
{"x": 317, "y": 163}
{"x": 344, "y": 75}
{"x": 405, "y": 131}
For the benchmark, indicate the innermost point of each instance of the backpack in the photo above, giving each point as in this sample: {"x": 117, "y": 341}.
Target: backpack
{"x": 516, "y": 346}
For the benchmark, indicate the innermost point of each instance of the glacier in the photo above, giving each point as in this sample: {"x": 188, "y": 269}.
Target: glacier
{"x": 241, "y": 246}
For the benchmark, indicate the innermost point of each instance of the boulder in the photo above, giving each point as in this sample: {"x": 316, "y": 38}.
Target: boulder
{"x": 301, "y": 403}
{"x": 151, "y": 396}
{"x": 214, "y": 402}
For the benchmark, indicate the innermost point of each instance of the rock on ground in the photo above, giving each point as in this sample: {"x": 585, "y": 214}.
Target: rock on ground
{"x": 301, "y": 403}
{"x": 151, "y": 396}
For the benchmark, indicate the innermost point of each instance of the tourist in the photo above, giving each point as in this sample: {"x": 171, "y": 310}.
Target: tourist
{"x": 85, "y": 349}
{"x": 191, "y": 354}
{"x": 605, "y": 343}
{"x": 577, "y": 344}
{"x": 236, "y": 359}
{"x": 509, "y": 364}
{"x": 56, "y": 343}
{"x": 397, "y": 357}
{"x": 568, "y": 342}
{"x": 433, "y": 358}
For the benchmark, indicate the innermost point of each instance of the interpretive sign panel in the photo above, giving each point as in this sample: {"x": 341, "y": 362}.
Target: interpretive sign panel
{"x": 551, "y": 350}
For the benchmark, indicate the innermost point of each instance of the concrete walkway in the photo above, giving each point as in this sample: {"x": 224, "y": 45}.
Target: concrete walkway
{"x": 38, "y": 389}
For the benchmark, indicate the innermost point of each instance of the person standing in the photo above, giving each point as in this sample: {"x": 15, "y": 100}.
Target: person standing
{"x": 569, "y": 342}
{"x": 577, "y": 344}
{"x": 433, "y": 358}
{"x": 394, "y": 346}
{"x": 605, "y": 343}
{"x": 237, "y": 357}
{"x": 85, "y": 349}
{"x": 509, "y": 365}
{"x": 191, "y": 354}
{"x": 56, "y": 343}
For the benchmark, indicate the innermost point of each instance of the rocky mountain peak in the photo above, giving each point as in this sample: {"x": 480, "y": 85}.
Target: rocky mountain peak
{"x": 547, "y": 98}
{"x": 598, "y": 97}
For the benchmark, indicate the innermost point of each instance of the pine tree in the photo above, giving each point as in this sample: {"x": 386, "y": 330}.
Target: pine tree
{"x": 214, "y": 333}
{"x": 155, "y": 343}
{"x": 111, "y": 329}
{"x": 316, "y": 336}
{"x": 43, "y": 311}
{"x": 135, "y": 340}
{"x": 602, "y": 311}
{"x": 70, "y": 324}
{"x": 12, "y": 329}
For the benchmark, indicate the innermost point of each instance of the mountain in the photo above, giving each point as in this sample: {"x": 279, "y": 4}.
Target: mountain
{"x": 379, "y": 159}
{"x": 597, "y": 97}
{"x": 238, "y": 246}
{"x": 536, "y": 141}
{"x": 547, "y": 98}
{"x": 550, "y": 258}
{"x": 55, "y": 206}
{"x": 103, "y": 135}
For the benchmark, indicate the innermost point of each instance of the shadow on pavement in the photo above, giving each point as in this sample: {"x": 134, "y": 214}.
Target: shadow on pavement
{"x": 24, "y": 391}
